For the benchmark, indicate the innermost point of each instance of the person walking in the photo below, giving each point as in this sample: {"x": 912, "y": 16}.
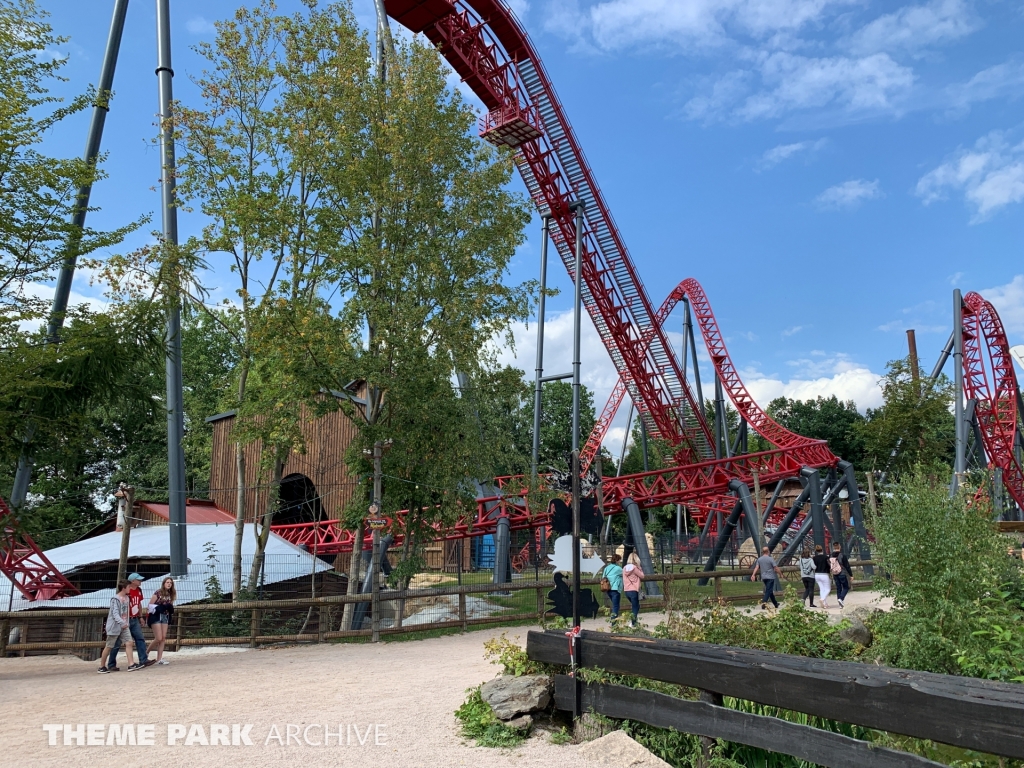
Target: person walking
{"x": 839, "y": 565}
{"x": 134, "y": 627}
{"x": 822, "y": 575}
{"x": 807, "y": 574}
{"x": 161, "y": 608}
{"x": 632, "y": 578}
{"x": 613, "y": 572}
{"x": 769, "y": 573}
{"x": 117, "y": 626}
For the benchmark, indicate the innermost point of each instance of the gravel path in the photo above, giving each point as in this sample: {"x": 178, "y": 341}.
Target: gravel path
{"x": 410, "y": 689}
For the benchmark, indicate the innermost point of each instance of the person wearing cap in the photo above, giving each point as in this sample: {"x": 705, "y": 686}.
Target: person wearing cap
{"x": 134, "y": 626}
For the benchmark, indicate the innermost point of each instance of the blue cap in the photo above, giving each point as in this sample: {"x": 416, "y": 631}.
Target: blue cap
{"x": 135, "y": 577}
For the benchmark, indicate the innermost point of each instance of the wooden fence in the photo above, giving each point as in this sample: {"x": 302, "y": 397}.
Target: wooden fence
{"x": 974, "y": 714}
{"x": 325, "y": 607}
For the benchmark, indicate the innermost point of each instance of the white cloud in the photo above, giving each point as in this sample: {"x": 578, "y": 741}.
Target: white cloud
{"x": 851, "y": 383}
{"x": 198, "y": 25}
{"x": 1009, "y": 303}
{"x": 916, "y": 26}
{"x": 75, "y": 299}
{"x": 792, "y": 331}
{"x": 789, "y": 82}
{"x": 695, "y": 24}
{"x": 776, "y": 155}
{"x": 849, "y": 194}
{"x": 1004, "y": 80}
{"x": 991, "y": 176}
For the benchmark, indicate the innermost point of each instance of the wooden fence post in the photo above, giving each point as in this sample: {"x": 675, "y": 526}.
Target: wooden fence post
{"x": 178, "y": 631}
{"x": 540, "y": 605}
{"x": 462, "y": 611}
{"x": 5, "y": 631}
{"x": 707, "y": 743}
{"x": 718, "y": 587}
{"x": 322, "y": 619}
{"x": 254, "y": 626}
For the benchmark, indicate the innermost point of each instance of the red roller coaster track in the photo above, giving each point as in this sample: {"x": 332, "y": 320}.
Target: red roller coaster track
{"x": 989, "y": 379}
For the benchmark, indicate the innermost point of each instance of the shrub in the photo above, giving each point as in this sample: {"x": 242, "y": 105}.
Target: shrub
{"x": 794, "y": 629}
{"x": 945, "y": 562}
{"x": 480, "y": 724}
{"x": 513, "y": 659}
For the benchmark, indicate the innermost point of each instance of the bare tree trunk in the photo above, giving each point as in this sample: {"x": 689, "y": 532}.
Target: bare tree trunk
{"x": 236, "y": 558}
{"x": 268, "y": 517}
{"x": 354, "y": 568}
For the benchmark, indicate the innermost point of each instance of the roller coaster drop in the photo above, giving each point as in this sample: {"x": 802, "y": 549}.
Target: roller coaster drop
{"x": 487, "y": 46}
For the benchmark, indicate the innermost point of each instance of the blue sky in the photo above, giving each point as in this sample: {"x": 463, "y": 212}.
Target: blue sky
{"x": 829, "y": 170}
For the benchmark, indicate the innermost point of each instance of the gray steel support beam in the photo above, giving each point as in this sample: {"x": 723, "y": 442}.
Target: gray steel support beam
{"x": 636, "y": 528}
{"x": 751, "y": 519}
{"x": 62, "y": 290}
{"x": 502, "y": 547}
{"x": 817, "y": 512}
{"x": 724, "y": 532}
{"x": 721, "y": 438}
{"x": 688, "y": 323}
{"x": 538, "y": 379}
{"x": 794, "y": 545}
{"x": 787, "y": 521}
{"x": 857, "y": 511}
{"x": 739, "y": 445}
{"x": 169, "y": 205}
{"x": 835, "y": 519}
{"x": 771, "y": 502}
{"x": 577, "y": 308}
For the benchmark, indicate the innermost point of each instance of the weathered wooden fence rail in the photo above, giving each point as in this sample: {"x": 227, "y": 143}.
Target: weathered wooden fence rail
{"x": 177, "y": 639}
{"x": 974, "y": 714}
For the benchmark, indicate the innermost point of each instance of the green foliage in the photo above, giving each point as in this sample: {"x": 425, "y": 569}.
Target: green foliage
{"x": 556, "y": 423}
{"x": 825, "y": 419}
{"x": 562, "y": 736}
{"x": 794, "y": 629}
{"x": 480, "y": 724}
{"x": 945, "y": 560}
{"x": 512, "y": 658}
{"x": 918, "y": 415}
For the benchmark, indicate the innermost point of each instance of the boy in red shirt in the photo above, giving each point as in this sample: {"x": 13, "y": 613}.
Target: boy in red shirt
{"x": 135, "y": 599}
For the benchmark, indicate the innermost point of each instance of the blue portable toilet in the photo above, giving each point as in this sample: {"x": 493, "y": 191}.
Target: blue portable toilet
{"x": 483, "y": 552}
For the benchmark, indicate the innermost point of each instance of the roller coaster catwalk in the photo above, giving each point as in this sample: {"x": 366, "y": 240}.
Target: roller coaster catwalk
{"x": 491, "y": 52}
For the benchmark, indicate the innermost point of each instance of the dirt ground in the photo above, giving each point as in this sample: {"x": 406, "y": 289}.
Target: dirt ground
{"x": 396, "y": 698}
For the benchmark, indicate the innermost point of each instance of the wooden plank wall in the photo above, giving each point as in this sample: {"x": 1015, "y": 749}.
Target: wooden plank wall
{"x": 323, "y": 462}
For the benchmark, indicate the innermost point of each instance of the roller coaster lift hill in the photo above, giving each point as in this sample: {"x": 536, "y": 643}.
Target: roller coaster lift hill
{"x": 487, "y": 46}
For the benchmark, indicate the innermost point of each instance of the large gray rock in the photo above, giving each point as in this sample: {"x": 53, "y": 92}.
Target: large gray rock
{"x": 856, "y": 632}
{"x": 511, "y": 696}
{"x": 619, "y": 750}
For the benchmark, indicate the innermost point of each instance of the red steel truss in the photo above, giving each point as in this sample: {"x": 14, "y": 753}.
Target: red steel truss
{"x": 26, "y": 566}
{"x": 989, "y": 379}
{"x": 760, "y": 421}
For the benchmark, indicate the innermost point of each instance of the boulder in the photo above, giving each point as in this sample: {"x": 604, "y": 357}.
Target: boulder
{"x": 619, "y": 750}
{"x": 856, "y": 632}
{"x": 511, "y": 696}
{"x": 521, "y": 723}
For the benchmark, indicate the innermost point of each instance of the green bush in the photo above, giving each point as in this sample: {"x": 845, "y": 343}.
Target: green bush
{"x": 945, "y": 563}
{"x": 794, "y": 629}
{"x": 480, "y": 724}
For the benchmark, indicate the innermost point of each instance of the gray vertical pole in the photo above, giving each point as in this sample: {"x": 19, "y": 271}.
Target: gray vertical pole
{"x": 721, "y": 439}
{"x": 958, "y": 404}
{"x": 577, "y": 306}
{"x": 817, "y": 513}
{"x": 175, "y": 417}
{"x": 693, "y": 353}
{"x": 540, "y": 346}
{"x": 62, "y": 291}
{"x": 858, "y": 515}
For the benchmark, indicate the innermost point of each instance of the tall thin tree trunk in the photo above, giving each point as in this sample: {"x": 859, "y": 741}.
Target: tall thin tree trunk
{"x": 353, "y": 575}
{"x": 268, "y": 517}
{"x": 236, "y": 555}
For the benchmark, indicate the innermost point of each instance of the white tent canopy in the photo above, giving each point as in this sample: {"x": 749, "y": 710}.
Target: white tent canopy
{"x": 209, "y": 549}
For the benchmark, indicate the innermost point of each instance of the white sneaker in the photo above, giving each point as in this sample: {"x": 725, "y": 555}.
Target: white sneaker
{"x": 163, "y": 661}
{"x": 841, "y": 604}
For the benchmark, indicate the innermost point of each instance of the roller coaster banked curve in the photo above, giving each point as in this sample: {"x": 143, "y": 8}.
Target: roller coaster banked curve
{"x": 486, "y": 45}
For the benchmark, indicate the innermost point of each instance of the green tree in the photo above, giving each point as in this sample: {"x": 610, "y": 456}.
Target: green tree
{"x": 556, "y": 422}
{"x": 825, "y": 418}
{"x": 916, "y": 417}
{"x": 44, "y": 386}
{"x": 944, "y": 558}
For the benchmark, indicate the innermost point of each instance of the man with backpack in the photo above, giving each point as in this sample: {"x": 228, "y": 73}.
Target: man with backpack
{"x": 839, "y": 566}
